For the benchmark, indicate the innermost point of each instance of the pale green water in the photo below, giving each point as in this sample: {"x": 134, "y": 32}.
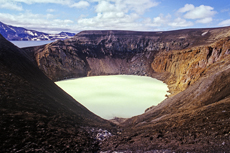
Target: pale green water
{"x": 116, "y": 95}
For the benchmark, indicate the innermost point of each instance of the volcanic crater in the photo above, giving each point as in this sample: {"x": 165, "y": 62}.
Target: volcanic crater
{"x": 36, "y": 115}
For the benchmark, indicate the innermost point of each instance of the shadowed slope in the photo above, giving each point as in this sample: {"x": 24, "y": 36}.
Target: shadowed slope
{"x": 36, "y": 115}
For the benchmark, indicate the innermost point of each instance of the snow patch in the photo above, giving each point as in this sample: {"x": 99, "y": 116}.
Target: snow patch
{"x": 204, "y": 33}
{"x": 30, "y": 33}
{"x": 13, "y": 29}
{"x": 4, "y": 27}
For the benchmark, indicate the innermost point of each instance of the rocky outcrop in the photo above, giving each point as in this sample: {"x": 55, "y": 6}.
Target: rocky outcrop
{"x": 187, "y": 66}
{"x": 59, "y": 61}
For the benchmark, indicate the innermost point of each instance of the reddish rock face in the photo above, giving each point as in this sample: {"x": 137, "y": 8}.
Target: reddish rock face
{"x": 188, "y": 65}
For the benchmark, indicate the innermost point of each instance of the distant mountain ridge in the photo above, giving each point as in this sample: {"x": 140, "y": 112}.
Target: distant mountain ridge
{"x": 13, "y": 33}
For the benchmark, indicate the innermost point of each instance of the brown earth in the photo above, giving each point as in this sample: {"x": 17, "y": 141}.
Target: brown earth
{"x": 193, "y": 62}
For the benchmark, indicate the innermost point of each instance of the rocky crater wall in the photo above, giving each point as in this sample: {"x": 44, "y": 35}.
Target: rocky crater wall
{"x": 187, "y": 66}
{"x": 193, "y": 62}
{"x": 172, "y": 56}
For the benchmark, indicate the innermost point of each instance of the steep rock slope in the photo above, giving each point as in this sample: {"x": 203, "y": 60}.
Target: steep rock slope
{"x": 195, "y": 65}
{"x": 187, "y": 66}
{"x": 35, "y": 114}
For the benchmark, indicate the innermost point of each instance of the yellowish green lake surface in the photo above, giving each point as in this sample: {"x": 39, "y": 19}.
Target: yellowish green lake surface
{"x": 116, "y": 95}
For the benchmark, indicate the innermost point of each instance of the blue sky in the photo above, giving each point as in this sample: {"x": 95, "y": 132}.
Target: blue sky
{"x": 54, "y": 16}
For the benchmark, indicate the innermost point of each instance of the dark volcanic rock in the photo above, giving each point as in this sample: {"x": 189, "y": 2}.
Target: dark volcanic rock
{"x": 35, "y": 114}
